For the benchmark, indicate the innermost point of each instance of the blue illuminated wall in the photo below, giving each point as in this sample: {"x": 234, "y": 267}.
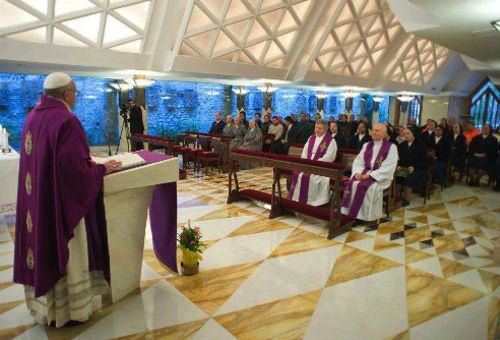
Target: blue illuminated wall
{"x": 287, "y": 101}
{"x": 95, "y": 108}
{"x": 176, "y": 106}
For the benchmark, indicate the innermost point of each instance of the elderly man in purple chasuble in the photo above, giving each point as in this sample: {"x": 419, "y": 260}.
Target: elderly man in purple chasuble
{"x": 313, "y": 189}
{"x": 372, "y": 173}
{"x": 61, "y": 250}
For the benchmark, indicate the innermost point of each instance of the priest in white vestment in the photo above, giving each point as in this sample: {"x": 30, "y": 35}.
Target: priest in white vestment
{"x": 372, "y": 173}
{"x": 313, "y": 189}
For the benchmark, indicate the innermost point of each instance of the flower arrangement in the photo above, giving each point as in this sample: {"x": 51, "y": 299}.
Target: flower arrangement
{"x": 191, "y": 246}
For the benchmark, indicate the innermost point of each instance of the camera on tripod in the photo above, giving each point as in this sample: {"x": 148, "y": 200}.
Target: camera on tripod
{"x": 124, "y": 112}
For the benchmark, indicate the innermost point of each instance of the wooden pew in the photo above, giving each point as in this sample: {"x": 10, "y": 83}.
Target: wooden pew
{"x": 204, "y": 142}
{"x": 337, "y": 222}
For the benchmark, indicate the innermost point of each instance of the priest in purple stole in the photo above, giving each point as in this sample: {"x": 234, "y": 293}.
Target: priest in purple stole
{"x": 373, "y": 170}
{"x": 61, "y": 251}
{"x": 313, "y": 189}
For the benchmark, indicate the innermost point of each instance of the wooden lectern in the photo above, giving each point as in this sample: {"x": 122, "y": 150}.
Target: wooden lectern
{"x": 127, "y": 196}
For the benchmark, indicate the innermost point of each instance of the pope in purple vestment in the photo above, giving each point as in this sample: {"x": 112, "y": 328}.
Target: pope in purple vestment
{"x": 59, "y": 187}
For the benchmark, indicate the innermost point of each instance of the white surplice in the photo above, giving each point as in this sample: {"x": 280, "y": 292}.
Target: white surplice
{"x": 319, "y": 186}
{"x": 75, "y": 296}
{"x": 372, "y": 206}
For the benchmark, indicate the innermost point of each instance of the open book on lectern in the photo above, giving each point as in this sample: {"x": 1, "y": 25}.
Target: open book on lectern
{"x": 128, "y": 160}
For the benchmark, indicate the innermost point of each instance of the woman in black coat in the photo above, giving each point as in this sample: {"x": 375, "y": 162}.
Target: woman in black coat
{"x": 361, "y": 137}
{"x": 458, "y": 148}
{"x": 442, "y": 153}
{"x": 413, "y": 161}
{"x": 482, "y": 155}
{"x": 337, "y": 135}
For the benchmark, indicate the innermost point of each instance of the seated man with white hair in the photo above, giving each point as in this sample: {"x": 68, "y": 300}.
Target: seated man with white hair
{"x": 372, "y": 173}
{"x": 313, "y": 189}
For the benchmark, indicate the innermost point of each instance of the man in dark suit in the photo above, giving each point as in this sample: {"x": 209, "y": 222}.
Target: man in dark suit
{"x": 218, "y": 125}
{"x": 136, "y": 124}
{"x": 290, "y": 137}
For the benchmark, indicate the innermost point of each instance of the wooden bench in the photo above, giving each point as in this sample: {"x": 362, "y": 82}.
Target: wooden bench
{"x": 337, "y": 222}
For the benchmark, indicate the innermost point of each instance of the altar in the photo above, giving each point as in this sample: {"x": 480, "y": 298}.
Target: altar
{"x": 9, "y": 168}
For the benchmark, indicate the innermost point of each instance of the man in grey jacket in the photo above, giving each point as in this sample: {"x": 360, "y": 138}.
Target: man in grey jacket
{"x": 239, "y": 133}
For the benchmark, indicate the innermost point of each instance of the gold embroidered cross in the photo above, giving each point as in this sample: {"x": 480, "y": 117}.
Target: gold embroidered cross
{"x": 28, "y": 143}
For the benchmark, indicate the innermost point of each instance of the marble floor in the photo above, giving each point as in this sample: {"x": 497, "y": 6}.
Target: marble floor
{"x": 427, "y": 274}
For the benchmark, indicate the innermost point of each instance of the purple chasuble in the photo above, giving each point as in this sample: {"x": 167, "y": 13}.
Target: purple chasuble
{"x": 304, "y": 184}
{"x": 58, "y": 186}
{"x": 363, "y": 185}
{"x": 163, "y": 216}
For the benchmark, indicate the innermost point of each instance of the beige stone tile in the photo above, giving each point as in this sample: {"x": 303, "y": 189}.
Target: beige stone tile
{"x": 486, "y": 219}
{"x": 429, "y": 296}
{"x": 381, "y": 245}
{"x": 400, "y": 336}
{"x": 282, "y": 319}
{"x": 445, "y": 225}
{"x": 437, "y": 209}
{"x": 493, "y": 317}
{"x": 228, "y": 212}
{"x": 390, "y": 227}
{"x": 450, "y": 268}
{"x": 420, "y": 219}
{"x": 447, "y": 243}
{"x": 4, "y": 307}
{"x": 181, "y": 331}
{"x": 259, "y": 225}
{"x": 356, "y": 236}
{"x": 210, "y": 289}
{"x": 491, "y": 281}
{"x": 417, "y": 235}
{"x": 11, "y": 333}
{"x": 301, "y": 240}
{"x": 475, "y": 231}
{"x": 472, "y": 202}
{"x": 414, "y": 255}
{"x": 353, "y": 263}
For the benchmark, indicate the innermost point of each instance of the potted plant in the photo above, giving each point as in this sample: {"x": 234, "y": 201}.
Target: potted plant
{"x": 191, "y": 247}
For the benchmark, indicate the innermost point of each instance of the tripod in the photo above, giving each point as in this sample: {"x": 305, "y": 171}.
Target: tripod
{"x": 127, "y": 134}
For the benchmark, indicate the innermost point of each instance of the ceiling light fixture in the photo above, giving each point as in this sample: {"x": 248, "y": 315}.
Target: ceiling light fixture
{"x": 405, "y": 98}
{"x": 321, "y": 95}
{"x": 349, "y": 94}
{"x": 212, "y": 93}
{"x": 496, "y": 25}
{"x": 241, "y": 91}
{"x": 140, "y": 82}
{"x": 121, "y": 86}
{"x": 378, "y": 99}
{"x": 268, "y": 87}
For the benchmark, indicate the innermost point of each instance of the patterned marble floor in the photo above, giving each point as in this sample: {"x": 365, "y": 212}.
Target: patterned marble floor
{"x": 427, "y": 274}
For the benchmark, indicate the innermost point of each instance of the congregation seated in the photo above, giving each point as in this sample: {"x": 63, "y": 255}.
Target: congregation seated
{"x": 361, "y": 137}
{"x": 496, "y": 172}
{"x": 314, "y": 189}
{"x": 458, "y": 148}
{"x": 442, "y": 153}
{"x": 290, "y": 137}
{"x": 218, "y": 125}
{"x": 337, "y": 135}
{"x": 412, "y": 165}
{"x": 482, "y": 155}
{"x": 275, "y": 129}
{"x": 396, "y": 136}
{"x": 372, "y": 173}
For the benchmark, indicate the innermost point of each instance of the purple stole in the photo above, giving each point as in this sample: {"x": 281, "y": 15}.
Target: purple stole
{"x": 364, "y": 184}
{"x": 304, "y": 185}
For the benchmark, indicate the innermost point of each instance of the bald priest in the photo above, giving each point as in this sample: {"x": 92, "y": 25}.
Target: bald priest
{"x": 372, "y": 173}
{"x": 61, "y": 251}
